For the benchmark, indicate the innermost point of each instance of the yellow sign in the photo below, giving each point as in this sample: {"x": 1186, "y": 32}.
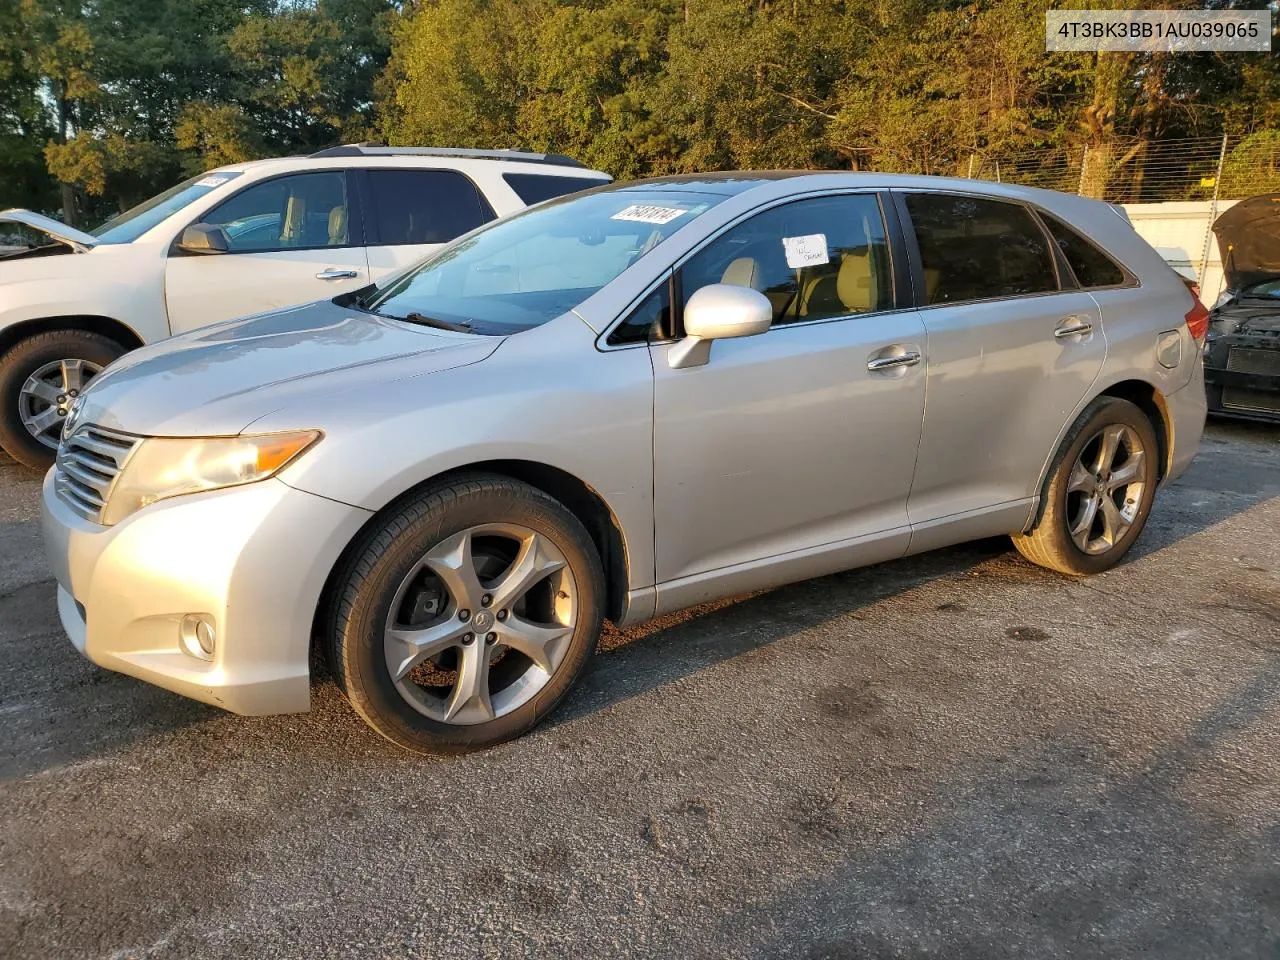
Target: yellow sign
{"x": 1208, "y": 181}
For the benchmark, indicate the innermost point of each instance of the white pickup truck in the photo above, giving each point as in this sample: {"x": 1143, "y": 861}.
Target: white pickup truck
{"x": 238, "y": 240}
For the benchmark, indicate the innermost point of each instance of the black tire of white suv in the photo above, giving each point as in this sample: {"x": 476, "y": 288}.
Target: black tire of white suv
{"x": 86, "y": 352}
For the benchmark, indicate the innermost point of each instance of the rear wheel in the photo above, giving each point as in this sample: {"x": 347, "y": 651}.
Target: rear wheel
{"x": 463, "y": 618}
{"x": 1099, "y": 493}
{"x": 40, "y": 377}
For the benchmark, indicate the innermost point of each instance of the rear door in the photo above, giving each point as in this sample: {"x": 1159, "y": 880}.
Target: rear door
{"x": 290, "y": 240}
{"x": 411, "y": 213}
{"x": 1012, "y": 349}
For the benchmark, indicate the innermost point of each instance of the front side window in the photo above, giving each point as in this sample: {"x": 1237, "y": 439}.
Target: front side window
{"x": 133, "y": 223}
{"x": 423, "y": 206}
{"x": 972, "y": 248}
{"x": 303, "y": 211}
{"x": 529, "y": 268}
{"x": 1092, "y": 267}
{"x": 814, "y": 259}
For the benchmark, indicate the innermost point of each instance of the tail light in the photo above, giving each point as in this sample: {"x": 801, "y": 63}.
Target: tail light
{"x": 1198, "y": 321}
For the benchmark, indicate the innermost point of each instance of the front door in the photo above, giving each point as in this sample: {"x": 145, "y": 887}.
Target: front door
{"x": 290, "y": 240}
{"x": 794, "y": 442}
{"x": 1012, "y": 352}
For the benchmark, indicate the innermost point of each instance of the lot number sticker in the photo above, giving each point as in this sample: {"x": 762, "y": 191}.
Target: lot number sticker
{"x": 211, "y": 181}
{"x": 807, "y": 251}
{"x": 649, "y": 213}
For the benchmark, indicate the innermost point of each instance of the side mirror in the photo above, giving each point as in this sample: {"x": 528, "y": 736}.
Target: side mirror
{"x": 203, "y": 238}
{"x": 717, "y": 312}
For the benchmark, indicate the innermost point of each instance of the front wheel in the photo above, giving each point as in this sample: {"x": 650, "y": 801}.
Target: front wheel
{"x": 459, "y": 621}
{"x": 1099, "y": 492}
{"x": 40, "y": 377}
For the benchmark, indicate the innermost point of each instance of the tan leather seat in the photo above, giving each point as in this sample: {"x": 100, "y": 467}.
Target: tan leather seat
{"x": 338, "y": 226}
{"x": 931, "y": 278}
{"x": 851, "y": 289}
{"x": 295, "y": 221}
{"x": 743, "y": 272}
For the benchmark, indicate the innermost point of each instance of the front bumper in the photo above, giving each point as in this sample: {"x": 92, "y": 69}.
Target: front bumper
{"x": 251, "y": 559}
{"x": 1242, "y": 375}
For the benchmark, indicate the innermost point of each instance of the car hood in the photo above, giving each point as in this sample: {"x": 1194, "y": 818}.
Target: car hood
{"x": 1249, "y": 241}
{"x": 1247, "y": 317}
{"x": 78, "y": 240}
{"x": 218, "y": 380}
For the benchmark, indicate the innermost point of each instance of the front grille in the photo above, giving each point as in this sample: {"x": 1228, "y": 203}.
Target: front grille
{"x": 1258, "y": 401}
{"x": 87, "y": 465}
{"x": 1247, "y": 360}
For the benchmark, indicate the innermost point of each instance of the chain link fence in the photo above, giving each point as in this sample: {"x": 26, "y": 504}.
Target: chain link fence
{"x": 1129, "y": 170}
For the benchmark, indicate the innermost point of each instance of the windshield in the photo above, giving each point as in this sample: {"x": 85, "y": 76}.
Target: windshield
{"x": 132, "y": 224}
{"x": 528, "y": 269}
{"x": 1267, "y": 290}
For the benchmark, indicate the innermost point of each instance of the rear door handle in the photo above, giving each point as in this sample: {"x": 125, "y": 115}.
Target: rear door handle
{"x": 335, "y": 273}
{"x": 1072, "y": 327}
{"x": 908, "y": 359}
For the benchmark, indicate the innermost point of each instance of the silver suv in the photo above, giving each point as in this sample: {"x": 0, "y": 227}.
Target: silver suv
{"x": 615, "y": 405}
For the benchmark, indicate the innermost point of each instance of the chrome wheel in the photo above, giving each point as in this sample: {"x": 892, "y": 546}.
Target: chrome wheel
{"x": 1105, "y": 489}
{"x": 481, "y": 623}
{"x": 47, "y": 395}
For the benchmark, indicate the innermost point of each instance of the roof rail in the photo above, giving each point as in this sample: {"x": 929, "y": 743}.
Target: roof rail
{"x": 381, "y": 150}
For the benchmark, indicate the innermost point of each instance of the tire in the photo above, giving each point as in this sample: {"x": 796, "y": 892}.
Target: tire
{"x": 1060, "y": 540}
{"x": 401, "y": 580}
{"x": 29, "y": 357}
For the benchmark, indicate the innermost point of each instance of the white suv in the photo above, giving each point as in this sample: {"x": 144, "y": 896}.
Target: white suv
{"x": 235, "y": 241}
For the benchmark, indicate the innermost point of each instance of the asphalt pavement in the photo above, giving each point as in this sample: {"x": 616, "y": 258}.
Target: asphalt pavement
{"x": 957, "y": 756}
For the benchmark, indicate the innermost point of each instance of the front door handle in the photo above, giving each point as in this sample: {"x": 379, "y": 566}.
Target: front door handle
{"x": 1072, "y": 327}
{"x": 908, "y": 359}
{"x": 336, "y": 273}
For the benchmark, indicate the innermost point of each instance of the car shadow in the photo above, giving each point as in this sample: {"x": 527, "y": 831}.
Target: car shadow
{"x": 1236, "y": 468}
{"x": 1057, "y": 850}
{"x": 56, "y": 707}
{"x": 635, "y": 661}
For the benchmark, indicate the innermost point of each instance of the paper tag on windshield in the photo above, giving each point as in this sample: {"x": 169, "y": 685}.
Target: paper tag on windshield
{"x": 807, "y": 251}
{"x": 649, "y": 213}
{"x": 211, "y": 181}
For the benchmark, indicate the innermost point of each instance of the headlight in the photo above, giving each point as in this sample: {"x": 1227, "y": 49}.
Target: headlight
{"x": 164, "y": 467}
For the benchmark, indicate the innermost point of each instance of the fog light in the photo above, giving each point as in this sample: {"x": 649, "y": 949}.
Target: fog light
{"x": 197, "y": 636}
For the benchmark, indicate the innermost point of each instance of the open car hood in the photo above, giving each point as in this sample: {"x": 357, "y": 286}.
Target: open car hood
{"x": 78, "y": 240}
{"x": 1249, "y": 241}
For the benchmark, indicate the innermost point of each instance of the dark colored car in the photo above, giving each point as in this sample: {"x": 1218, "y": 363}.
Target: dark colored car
{"x": 1242, "y": 351}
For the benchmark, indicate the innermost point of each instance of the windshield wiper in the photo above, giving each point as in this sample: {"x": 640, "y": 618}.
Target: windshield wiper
{"x": 456, "y": 326}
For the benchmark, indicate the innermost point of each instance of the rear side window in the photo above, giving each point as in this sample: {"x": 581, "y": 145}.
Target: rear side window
{"x": 1092, "y": 267}
{"x": 423, "y": 206}
{"x": 535, "y": 187}
{"x": 977, "y": 249}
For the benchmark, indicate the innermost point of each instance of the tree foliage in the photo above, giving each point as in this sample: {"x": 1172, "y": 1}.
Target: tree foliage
{"x": 117, "y": 98}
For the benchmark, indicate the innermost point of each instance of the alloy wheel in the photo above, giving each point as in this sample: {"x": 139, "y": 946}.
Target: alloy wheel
{"x": 480, "y": 623}
{"x": 46, "y": 397}
{"x": 1104, "y": 491}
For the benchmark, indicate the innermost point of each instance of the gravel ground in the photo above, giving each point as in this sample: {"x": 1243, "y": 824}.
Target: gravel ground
{"x": 957, "y": 755}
